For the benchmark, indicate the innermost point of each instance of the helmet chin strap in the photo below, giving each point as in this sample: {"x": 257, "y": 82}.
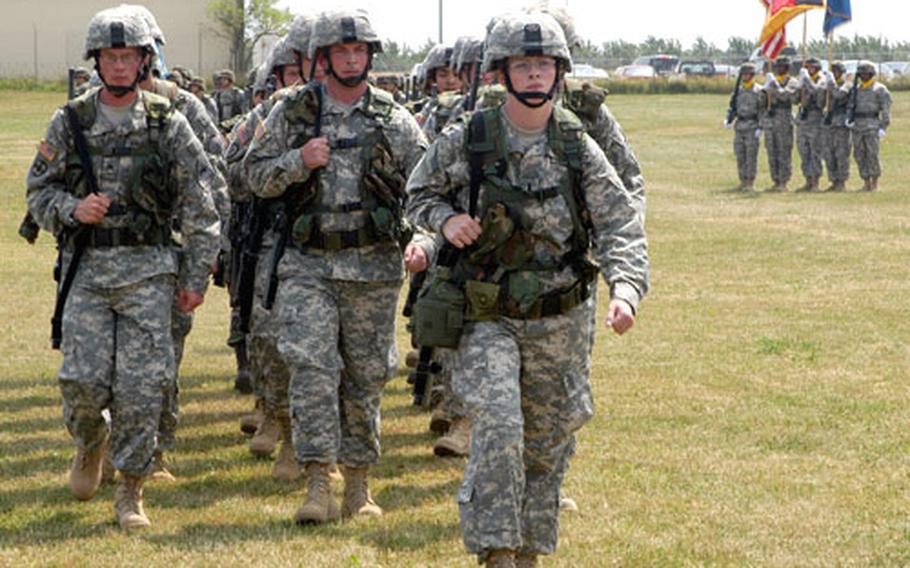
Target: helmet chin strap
{"x": 526, "y": 97}
{"x": 349, "y": 82}
{"x": 120, "y": 91}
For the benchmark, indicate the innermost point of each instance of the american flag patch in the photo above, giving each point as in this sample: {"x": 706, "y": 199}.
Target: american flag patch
{"x": 47, "y": 151}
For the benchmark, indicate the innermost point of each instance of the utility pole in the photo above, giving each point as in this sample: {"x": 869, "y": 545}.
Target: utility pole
{"x": 440, "y": 21}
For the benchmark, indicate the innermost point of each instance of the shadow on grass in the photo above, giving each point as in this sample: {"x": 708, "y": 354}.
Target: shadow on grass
{"x": 61, "y": 526}
{"x": 32, "y": 425}
{"x": 29, "y": 402}
{"x": 29, "y": 467}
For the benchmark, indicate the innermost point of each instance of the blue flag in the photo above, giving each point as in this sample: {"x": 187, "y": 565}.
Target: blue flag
{"x": 837, "y": 13}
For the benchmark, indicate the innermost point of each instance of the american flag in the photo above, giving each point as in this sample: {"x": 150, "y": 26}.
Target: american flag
{"x": 771, "y": 47}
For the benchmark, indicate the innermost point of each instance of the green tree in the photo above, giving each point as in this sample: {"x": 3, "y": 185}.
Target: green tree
{"x": 243, "y": 23}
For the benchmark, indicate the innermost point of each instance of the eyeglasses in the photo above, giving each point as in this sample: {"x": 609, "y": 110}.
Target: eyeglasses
{"x": 540, "y": 65}
{"x": 126, "y": 58}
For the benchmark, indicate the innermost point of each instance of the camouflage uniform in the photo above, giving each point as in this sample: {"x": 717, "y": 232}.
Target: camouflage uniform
{"x": 117, "y": 347}
{"x": 439, "y": 111}
{"x": 838, "y": 139}
{"x": 349, "y": 295}
{"x": 872, "y": 119}
{"x": 524, "y": 379}
{"x": 749, "y": 109}
{"x": 809, "y": 141}
{"x": 230, "y": 101}
{"x": 777, "y": 124}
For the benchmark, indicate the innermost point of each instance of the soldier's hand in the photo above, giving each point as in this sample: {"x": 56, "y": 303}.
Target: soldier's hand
{"x": 92, "y": 209}
{"x": 415, "y": 258}
{"x": 804, "y": 76}
{"x": 187, "y": 300}
{"x": 727, "y": 125}
{"x": 770, "y": 80}
{"x": 620, "y": 316}
{"x": 461, "y": 230}
{"x": 315, "y": 153}
{"x": 829, "y": 76}
{"x": 881, "y": 133}
{"x": 758, "y": 133}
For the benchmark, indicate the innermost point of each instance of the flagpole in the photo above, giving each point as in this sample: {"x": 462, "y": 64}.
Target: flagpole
{"x": 805, "y": 37}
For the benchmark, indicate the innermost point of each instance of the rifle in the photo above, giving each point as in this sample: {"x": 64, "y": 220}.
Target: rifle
{"x": 71, "y": 84}
{"x": 851, "y": 102}
{"x": 80, "y": 238}
{"x": 734, "y": 102}
{"x": 282, "y": 223}
{"x": 245, "y": 255}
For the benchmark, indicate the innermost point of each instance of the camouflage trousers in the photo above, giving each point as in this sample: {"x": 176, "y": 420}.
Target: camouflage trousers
{"x": 525, "y": 386}
{"x": 811, "y": 150}
{"x": 118, "y": 355}
{"x": 325, "y": 327}
{"x": 745, "y": 146}
{"x": 779, "y": 146}
{"x": 866, "y": 145}
{"x": 838, "y": 142}
{"x": 267, "y": 367}
{"x": 181, "y": 325}
{"x": 451, "y": 405}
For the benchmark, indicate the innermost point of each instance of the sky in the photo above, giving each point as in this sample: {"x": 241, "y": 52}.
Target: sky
{"x": 414, "y": 22}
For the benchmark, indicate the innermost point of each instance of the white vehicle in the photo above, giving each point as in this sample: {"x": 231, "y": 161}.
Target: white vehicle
{"x": 635, "y": 72}
{"x": 585, "y": 71}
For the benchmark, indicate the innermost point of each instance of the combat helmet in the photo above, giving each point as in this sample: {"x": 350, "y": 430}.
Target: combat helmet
{"x": 116, "y": 28}
{"x": 565, "y": 21}
{"x": 839, "y": 67}
{"x": 197, "y": 82}
{"x": 146, "y": 14}
{"x": 865, "y": 67}
{"x": 82, "y": 72}
{"x": 225, "y": 74}
{"x": 339, "y": 27}
{"x": 747, "y": 67}
{"x": 283, "y": 53}
{"x": 521, "y": 35}
{"x": 439, "y": 56}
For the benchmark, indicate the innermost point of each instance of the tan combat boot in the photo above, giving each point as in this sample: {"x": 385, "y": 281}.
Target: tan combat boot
{"x": 107, "y": 468}
{"x": 411, "y": 359}
{"x": 806, "y": 186}
{"x": 748, "y": 185}
{"x": 250, "y": 422}
{"x": 873, "y": 184}
{"x": 285, "y": 467}
{"x": 159, "y": 470}
{"x": 357, "y": 498}
{"x": 813, "y": 184}
{"x": 500, "y": 558}
{"x": 263, "y": 442}
{"x": 457, "y": 443}
{"x": 440, "y": 421}
{"x": 128, "y": 503}
{"x": 867, "y": 184}
{"x": 525, "y": 560}
{"x": 86, "y": 471}
{"x": 839, "y": 185}
{"x": 568, "y": 505}
{"x": 319, "y": 506}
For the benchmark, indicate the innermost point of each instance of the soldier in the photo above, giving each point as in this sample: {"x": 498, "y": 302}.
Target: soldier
{"x": 838, "y": 139}
{"x": 809, "y": 123}
{"x": 547, "y": 197}
{"x": 229, "y": 100}
{"x": 391, "y": 84}
{"x": 81, "y": 78}
{"x": 446, "y": 85}
{"x": 288, "y": 66}
{"x": 339, "y": 153}
{"x": 197, "y": 87}
{"x": 871, "y": 118}
{"x": 116, "y": 206}
{"x": 747, "y": 134}
{"x": 213, "y": 143}
{"x": 781, "y": 91}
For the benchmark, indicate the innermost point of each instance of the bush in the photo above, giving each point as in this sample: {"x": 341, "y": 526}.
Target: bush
{"x": 29, "y": 84}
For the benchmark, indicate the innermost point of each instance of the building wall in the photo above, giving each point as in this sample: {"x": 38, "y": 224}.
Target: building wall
{"x": 49, "y": 35}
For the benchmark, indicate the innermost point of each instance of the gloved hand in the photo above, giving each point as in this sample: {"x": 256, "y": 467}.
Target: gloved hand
{"x": 727, "y": 125}
{"x": 881, "y": 133}
{"x": 804, "y": 76}
{"x": 829, "y": 76}
{"x": 770, "y": 79}
{"x": 758, "y": 133}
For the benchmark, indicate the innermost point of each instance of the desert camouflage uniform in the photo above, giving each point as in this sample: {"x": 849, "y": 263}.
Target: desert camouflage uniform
{"x": 117, "y": 347}
{"x": 335, "y": 310}
{"x": 838, "y": 139}
{"x": 525, "y": 381}
{"x": 873, "y": 113}
{"x": 809, "y": 126}
{"x": 777, "y": 124}
{"x": 749, "y": 109}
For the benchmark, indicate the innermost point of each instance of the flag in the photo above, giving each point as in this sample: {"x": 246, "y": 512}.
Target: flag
{"x": 838, "y": 12}
{"x": 771, "y": 47}
{"x": 782, "y": 11}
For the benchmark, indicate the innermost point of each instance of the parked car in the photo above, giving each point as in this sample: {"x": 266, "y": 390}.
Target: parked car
{"x": 635, "y": 72}
{"x": 662, "y": 64}
{"x": 585, "y": 71}
{"x": 693, "y": 68}
{"x": 897, "y": 69}
{"x": 726, "y": 70}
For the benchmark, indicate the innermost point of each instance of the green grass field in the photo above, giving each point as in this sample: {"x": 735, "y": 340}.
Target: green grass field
{"x": 757, "y": 414}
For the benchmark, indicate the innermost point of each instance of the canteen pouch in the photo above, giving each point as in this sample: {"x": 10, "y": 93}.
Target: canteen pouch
{"x": 524, "y": 291}
{"x": 482, "y": 299}
{"x": 439, "y": 314}
{"x": 303, "y": 229}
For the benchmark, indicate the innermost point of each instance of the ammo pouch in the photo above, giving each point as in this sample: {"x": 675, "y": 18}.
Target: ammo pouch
{"x": 151, "y": 189}
{"x": 439, "y": 313}
{"x": 482, "y": 300}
